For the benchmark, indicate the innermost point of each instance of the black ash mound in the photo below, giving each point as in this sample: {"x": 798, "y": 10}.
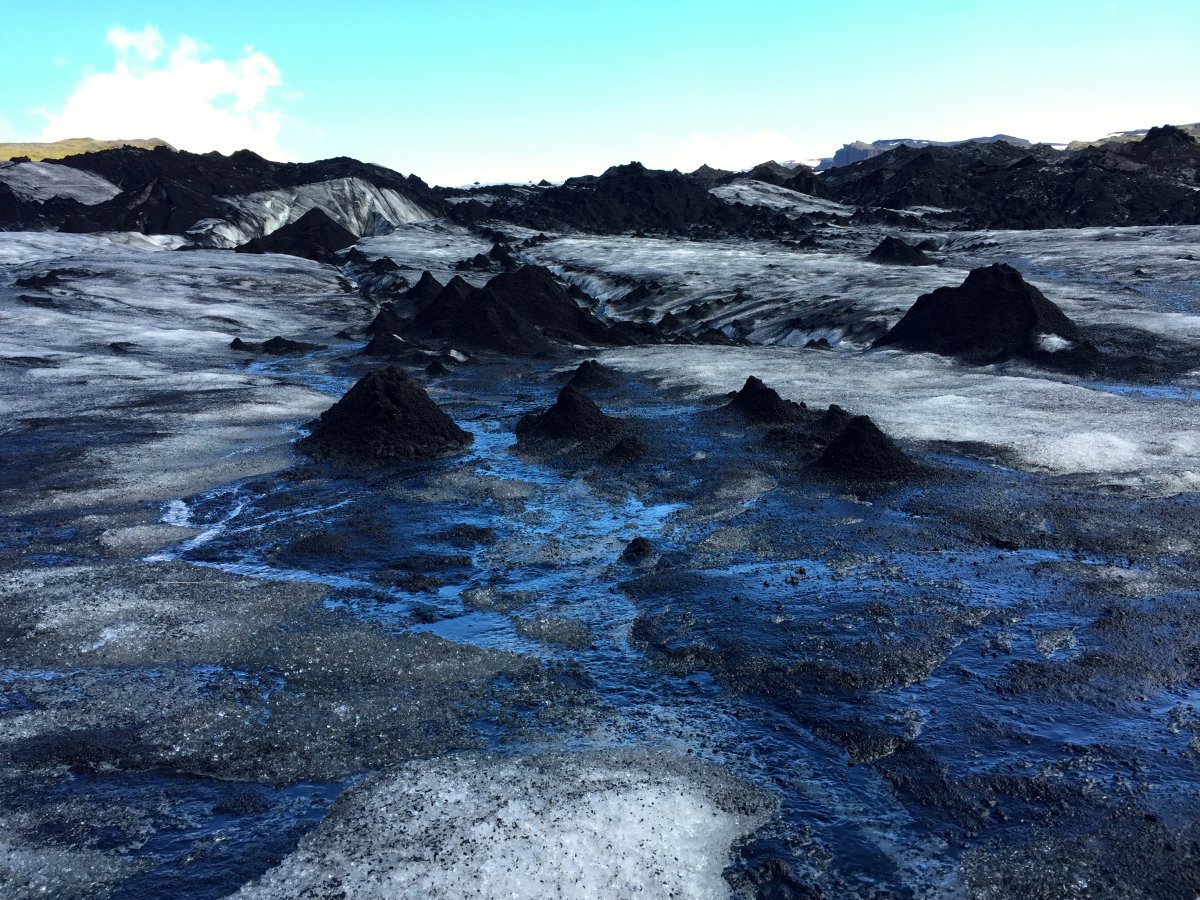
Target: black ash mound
{"x": 894, "y": 252}
{"x": 385, "y": 418}
{"x": 313, "y": 236}
{"x": 519, "y": 313}
{"x": 593, "y": 375}
{"x": 849, "y": 448}
{"x": 994, "y": 315}
{"x": 763, "y": 405}
{"x": 573, "y": 417}
{"x": 863, "y": 453}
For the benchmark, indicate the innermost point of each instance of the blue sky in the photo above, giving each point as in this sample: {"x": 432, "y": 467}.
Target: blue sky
{"x": 463, "y": 91}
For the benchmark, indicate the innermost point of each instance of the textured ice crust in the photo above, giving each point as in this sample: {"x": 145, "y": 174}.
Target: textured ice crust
{"x": 558, "y": 825}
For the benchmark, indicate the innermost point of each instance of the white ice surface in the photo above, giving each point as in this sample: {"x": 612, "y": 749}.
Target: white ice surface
{"x": 752, "y": 192}
{"x": 560, "y": 827}
{"x": 433, "y": 246}
{"x": 359, "y": 206}
{"x": 45, "y": 180}
{"x": 197, "y": 405}
{"x": 1047, "y": 425}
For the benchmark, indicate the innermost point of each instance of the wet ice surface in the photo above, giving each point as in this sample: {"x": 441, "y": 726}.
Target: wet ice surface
{"x": 981, "y": 685}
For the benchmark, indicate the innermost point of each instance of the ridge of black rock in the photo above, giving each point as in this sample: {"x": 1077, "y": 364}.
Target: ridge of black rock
{"x": 313, "y": 236}
{"x": 572, "y": 417}
{"x": 993, "y": 315}
{"x": 386, "y": 417}
{"x": 863, "y": 453}
{"x": 630, "y": 198}
{"x": 1002, "y": 185}
{"x": 763, "y": 405}
{"x": 892, "y": 251}
{"x": 167, "y": 191}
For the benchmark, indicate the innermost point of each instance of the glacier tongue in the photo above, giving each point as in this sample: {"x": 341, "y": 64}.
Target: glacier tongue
{"x": 358, "y": 205}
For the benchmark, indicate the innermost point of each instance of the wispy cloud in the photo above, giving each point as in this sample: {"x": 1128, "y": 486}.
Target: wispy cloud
{"x": 177, "y": 92}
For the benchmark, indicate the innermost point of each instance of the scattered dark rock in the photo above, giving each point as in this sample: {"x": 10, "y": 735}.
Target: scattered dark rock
{"x": 994, "y": 315}
{"x": 863, "y": 453}
{"x": 894, "y": 252}
{"x": 438, "y": 369}
{"x": 385, "y": 418}
{"x": 313, "y": 236}
{"x": 818, "y": 344}
{"x": 627, "y": 450}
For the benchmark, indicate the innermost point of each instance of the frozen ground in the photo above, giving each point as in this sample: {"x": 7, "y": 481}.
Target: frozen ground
{"x": 980, "y": 685}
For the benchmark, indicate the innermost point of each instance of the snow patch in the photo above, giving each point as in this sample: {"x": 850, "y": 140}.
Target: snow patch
{"x": 558, "y": 825}
{"x": 1053, "y": 343}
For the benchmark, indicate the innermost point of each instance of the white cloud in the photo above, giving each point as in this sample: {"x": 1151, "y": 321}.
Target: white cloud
{"x": 177, "y": 93}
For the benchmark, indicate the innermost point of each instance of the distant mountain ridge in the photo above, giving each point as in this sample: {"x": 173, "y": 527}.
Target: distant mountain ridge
{"x": 37, "y": 151}
{"x": 858, "y": 151}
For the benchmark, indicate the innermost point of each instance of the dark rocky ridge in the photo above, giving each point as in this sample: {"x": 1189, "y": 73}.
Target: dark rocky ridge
{"x": 385, "y": 418}
{"x": 276, "y": 346}
{"x": 994, "y": 315}
{"x": 313, "y": 236}
{"x": 166, "y": 191}
{"x": 1000, "y": 185}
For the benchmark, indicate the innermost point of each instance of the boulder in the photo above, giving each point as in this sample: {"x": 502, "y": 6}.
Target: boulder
{"x": 592, "y": 375}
